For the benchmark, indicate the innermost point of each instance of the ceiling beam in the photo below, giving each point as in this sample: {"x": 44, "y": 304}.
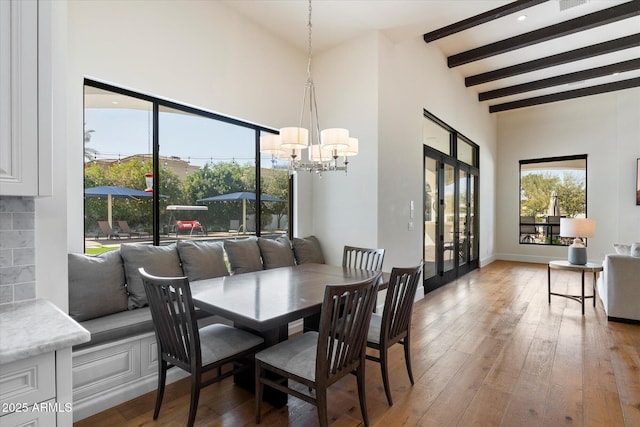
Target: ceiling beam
{"x": 482, "y": 18}
{"x": 571, "y": 94}
{"x": 557, "y": 59}
{"x": 577, "y": 76}
{"x": 592, "y": 20}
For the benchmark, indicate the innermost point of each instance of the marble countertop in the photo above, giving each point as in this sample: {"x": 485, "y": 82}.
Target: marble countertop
{"x": 30, "y": 328}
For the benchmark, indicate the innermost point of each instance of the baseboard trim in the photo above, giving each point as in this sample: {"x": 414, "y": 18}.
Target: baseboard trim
{"x": 622, "y": 320}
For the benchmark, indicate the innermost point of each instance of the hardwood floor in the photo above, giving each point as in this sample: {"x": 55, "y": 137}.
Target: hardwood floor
{"x": 487, "y": 350}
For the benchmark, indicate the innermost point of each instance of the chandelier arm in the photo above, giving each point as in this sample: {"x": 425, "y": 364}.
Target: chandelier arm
{"x": 314, "y": 113}
{"x": 305, "y": 94}
{"x": 319, "y": 161}
{"x": 310, "y": 29}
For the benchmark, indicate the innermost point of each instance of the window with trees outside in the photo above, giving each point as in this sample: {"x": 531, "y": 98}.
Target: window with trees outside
{"x": 157, "y": 171}
{"x": 550, "y": 189}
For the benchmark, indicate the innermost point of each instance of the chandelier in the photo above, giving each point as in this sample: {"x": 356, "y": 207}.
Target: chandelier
{"x": 326, "y": 150}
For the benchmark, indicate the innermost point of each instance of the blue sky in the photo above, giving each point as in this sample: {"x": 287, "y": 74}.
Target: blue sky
{"x": 119, "y": 132}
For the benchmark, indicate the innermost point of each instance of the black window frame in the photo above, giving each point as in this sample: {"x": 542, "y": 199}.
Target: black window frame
{"x": 157, "y": 103}
{"x": 548, "y": 160}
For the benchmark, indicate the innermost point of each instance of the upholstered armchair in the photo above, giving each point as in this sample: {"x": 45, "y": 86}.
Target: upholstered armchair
{"x": 619, "y": 287}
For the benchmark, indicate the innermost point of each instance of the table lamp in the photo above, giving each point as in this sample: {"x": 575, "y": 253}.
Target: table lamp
{"x": 578, "y": 228}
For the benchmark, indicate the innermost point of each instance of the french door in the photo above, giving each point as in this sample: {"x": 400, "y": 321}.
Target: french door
{"x": 450, "y": 218}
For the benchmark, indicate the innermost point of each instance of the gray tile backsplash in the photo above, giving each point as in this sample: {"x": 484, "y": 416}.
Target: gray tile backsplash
{"x": 17, "y": 249}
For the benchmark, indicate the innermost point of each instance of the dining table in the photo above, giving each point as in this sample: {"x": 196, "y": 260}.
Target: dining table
{"x": 266, "y": 301}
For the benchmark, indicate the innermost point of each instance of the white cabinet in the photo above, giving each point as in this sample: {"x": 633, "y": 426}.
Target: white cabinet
{"x": 28, "y": 392}
{"x": 25, "y": 97}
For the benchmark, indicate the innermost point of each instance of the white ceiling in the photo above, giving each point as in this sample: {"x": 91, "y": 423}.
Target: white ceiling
{"x": 336, "y": 21}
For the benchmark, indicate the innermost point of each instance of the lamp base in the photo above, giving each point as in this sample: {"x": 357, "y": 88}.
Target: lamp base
{"x": 577, "y": 255}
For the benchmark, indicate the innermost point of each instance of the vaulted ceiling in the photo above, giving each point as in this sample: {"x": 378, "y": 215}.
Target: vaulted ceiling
{"x": 563, "y": 49}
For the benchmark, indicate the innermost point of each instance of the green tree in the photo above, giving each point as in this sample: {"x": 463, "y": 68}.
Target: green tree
{"x": 213, "y": 180}
{"x": 275, "y": 184}
{"x": 89, "y": 152}
{"x": 572, "y": 196}
{"x": 536, "y": 191}
{"x": 129, "y": 174}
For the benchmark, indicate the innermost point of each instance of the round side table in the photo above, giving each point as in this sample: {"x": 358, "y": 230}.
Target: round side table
{"x": 592, "y": 267}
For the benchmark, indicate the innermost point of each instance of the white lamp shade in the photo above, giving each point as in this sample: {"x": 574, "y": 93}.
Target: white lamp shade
{"x": 294, "y": 138}
{"x": 318, "y": 153}
{"x": 577, "y": 227}
{"x": 351, "y": 150}
{"x": 270, "y": 144}
{"x": 334, "y": 138}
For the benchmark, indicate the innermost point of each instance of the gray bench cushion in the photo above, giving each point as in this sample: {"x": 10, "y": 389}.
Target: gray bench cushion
{"x": 276, "y": 253}
{"x": 129, "y": 323}
{"x": 117, "y": 326}
{"x": 96, "y": 285}
{"x": 202, "y": 260}
{"x": 307, "y": 250}
{"x": 156, "y": 260}
{"x": 244, "y": 255}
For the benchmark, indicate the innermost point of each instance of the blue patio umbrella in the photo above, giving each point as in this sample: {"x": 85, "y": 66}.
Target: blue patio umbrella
{"x": 240, "y": 195}
{"x": 113, "y": 192}
{"x": 244, "y": 196}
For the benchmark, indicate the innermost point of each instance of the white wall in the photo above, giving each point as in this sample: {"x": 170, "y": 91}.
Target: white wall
{"x": 414, "y": 76}
{"x": 606, "y": 127}
{"x": 345, "y": 206}
{"x": 195, "y": 52}
{"x": 51, "y": 228}
{"x": 378, "y": 90}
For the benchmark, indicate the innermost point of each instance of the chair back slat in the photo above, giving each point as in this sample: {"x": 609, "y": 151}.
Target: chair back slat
{"x": 174, "y": 319}
{"x": 363, "y": 258}
{"x": 398, "y": 305}
{"x": 345, "y": 316}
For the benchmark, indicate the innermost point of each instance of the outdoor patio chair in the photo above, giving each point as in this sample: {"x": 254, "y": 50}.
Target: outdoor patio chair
{"x": 394, "y": 325}
{"x": 182, "y": 344}
{"x": 124, "y": 227}
{"x": 235, "y": 226}
{"x": 553, "y": 227}
{"x": 316, "y": 360}
{"x": 527, "y": 229}
{"x": 110, "y": 233}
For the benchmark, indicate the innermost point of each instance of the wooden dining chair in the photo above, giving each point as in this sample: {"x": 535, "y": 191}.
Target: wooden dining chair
{"x": 394, "y": 325}
{"x": 181, "y": 343}
{"x": 316, "y": 360}
{"x": 363, "y": 258}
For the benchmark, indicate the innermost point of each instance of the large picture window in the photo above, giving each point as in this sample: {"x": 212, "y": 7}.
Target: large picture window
{"x": 158, "y": 171}
{"x": 550, "y": 189}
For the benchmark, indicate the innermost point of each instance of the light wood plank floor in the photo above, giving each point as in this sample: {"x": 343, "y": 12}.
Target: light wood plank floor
{"x": 487, "y": 349}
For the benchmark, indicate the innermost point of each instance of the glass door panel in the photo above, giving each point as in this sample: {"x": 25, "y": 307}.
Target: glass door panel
{"x": 450, "y": 231}
{"x": 207, "y": 168}
{"x": 450, "y": 219}
{"x": 430, "y": 217}
{"x": 462, "y": 235}
{"x": 117, "y": 153}
{"x": 473, "y": 245}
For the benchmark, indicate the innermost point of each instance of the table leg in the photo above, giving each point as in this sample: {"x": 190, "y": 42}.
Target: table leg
{"x": 247, "y": 379}
{"x": 594, "y": 288}
{"x": 582, "y": 293}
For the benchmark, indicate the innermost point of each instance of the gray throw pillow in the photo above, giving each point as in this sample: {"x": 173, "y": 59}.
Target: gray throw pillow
{"x": 276, "y": 253}
{"x": 96, "y": 285}
{"x": 202, "y": 260}
{"x": 307, "y": 250}
{"x": 157, "y": 260}
{"x": 244, "y": 255}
